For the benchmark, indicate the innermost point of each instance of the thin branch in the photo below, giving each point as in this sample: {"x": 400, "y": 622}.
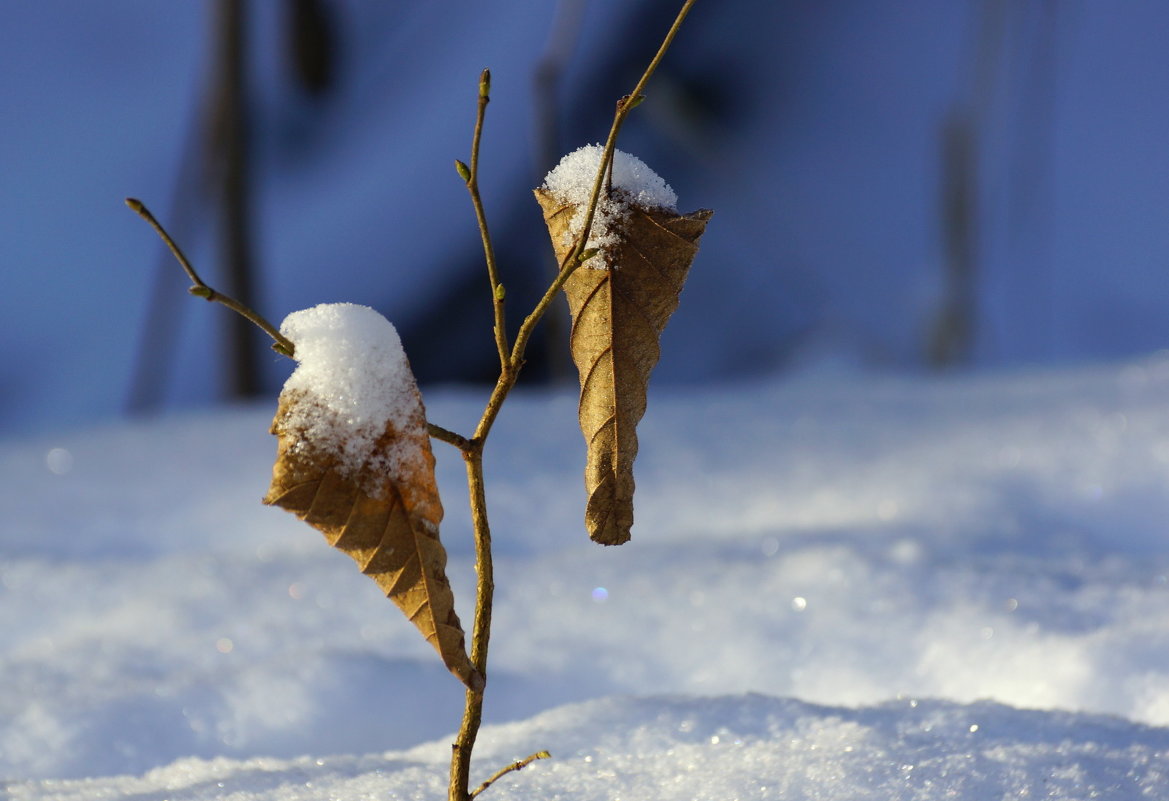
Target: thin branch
{"x": 450, "y": 437}
{"x": 282, "y": 344}
{"x": 471, "y": 177}
{"x": 514, "y": 766}
{"x": 573, "y": 259}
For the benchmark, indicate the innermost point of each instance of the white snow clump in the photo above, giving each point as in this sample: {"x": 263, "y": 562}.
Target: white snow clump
{"x": 571, "y": 182}
{"x": 351, "y": 365}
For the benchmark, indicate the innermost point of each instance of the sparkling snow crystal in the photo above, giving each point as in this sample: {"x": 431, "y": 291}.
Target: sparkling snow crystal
{"x": 351, "y": 363}
{"x": 571, "y": 181}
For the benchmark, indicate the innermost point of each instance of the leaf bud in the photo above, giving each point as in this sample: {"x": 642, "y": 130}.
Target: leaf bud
{"x": 463, "y": 170}
{"x": 631, "y": 102}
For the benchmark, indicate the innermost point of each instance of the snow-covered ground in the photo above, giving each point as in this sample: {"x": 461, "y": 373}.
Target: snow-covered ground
{"x": 839, "y": 587}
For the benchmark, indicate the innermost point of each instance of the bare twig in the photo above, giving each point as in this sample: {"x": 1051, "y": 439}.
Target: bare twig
{"x": 573, "y": 259}
{"x": 514, "y": 766}
{"x": 281, "y": 343}
{"x": 470, "y": 175}
{"x": 449, "y": 437}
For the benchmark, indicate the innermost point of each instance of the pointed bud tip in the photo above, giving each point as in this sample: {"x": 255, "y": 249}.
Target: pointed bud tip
{"x": 463, "y": 170}
{"x": 200, "y": 291}
{"x": 485, "y": 83}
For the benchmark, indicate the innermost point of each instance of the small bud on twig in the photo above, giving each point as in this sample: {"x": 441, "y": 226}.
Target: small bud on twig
{"x": 485, "y": 84}
{"x": 200, "y": 291}
{"x": 632, "y": 102}
{"x": 463, "y": 170}
{"x": 500, "y": 292}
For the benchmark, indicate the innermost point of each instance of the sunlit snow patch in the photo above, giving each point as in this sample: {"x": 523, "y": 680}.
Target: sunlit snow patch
{"x": 350, "y": 361}
{"x": 571, "y": 182}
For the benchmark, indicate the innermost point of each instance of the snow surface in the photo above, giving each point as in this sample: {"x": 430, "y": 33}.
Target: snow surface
{"x": 838, "y": 588}
{"x": 634, "y": 184}
{"x": 355, "y": 380}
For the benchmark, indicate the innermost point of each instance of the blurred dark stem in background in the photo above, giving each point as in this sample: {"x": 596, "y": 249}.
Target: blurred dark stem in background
{"x": 312, "y": 46}
{"x": 950, "y": 339}
{"x": 950, "y": 342}
{"x": 562, "y": 41}
{"x": 229, "y": 145}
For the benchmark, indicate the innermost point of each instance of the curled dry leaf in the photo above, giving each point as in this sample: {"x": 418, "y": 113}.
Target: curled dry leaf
{"x": 618, "y": 315}
{"x": 386, "y": 520}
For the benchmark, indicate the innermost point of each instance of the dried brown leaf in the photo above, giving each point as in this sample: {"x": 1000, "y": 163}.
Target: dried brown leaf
{"x": 387, "y": 523}
{"x": 618, "y": 315}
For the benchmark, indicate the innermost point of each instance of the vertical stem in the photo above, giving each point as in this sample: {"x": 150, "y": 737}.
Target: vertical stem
{"x": 481, "y": 633}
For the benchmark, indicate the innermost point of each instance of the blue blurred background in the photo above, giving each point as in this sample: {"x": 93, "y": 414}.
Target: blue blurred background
{"x": 912, "y": 186}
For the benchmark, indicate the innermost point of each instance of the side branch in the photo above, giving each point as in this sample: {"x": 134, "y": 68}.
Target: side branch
{"x": 470, "y": 176}
{"x": 451, "y": 438}
{"x": 514, "y": 766}
{"x": 578, "y": 254}
{"x": 281, "y": 344}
